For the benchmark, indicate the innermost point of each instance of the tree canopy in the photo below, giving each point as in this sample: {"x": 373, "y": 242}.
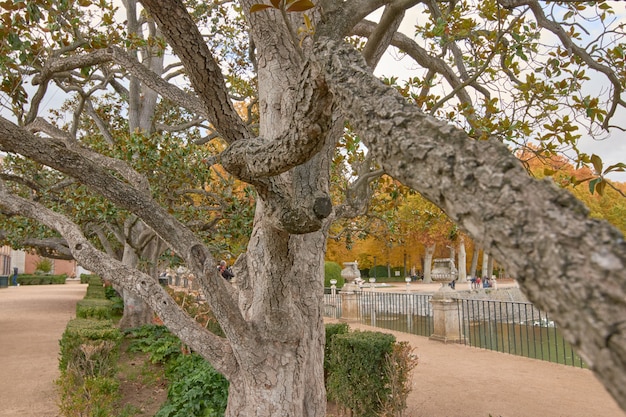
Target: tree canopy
{"x": 280, "y": 85}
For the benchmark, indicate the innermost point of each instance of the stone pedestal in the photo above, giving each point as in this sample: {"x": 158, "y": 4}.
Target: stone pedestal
{"x": 447, "y": 327}
{"x": 349, "y": 305}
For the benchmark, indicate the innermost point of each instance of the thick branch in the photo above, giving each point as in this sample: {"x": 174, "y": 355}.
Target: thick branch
{"x": 567, "y": 263}
{"x": 202, "y": 69}
{"x": 53, "y": 153}
{"x": 301, "y": 139}
{"x": 192, "y": 333}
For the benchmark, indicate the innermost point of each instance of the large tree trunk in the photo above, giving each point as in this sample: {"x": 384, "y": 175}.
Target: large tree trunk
{"x": 462, "y": 266}
{"x": 474, "y": 265}
{"x": 136, "y": 311}
{"x": 428, "y": 263}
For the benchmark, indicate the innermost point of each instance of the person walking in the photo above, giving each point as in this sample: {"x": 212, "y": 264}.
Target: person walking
{"x": 15, "y": 284}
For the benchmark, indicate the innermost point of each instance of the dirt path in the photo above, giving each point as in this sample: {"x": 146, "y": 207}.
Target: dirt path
{"x": 32, "y": 320}
{"x": 450, "y": 380}
{"x": 459, "y": 381}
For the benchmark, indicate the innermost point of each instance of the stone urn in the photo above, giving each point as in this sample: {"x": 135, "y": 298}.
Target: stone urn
{"x": 443, "y": 270}
{"x": 352, "y": 276}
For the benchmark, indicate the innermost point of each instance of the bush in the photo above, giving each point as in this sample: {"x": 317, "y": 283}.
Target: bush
{"x": 41, "y": 279}
{"x": 89, "y": 352}
{"x": 43, "y": 266}
{"x": 95, "y": 289}
{"x": 379, "y": 272}
{"x": 398, "y": 367}
{"x": 357, "y": 379}
{"x": 86, "y": 278}
{"x": 157, "y": 341}
{"x": 94, "y": 309}
{"x": 332, "y": 270}
{"x": 87, "y": 397}
{"x": 87, "y": 331}
{"x": 196, "y": 389}
{"x": 332, "y": 330}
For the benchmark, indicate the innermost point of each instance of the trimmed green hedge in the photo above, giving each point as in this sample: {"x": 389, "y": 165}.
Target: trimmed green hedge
{"x": 89, "y": 278}
{"x": 41, "y": 279}
{"x": 94, "y": 308}
{"x": 357, "y": 377}
{"x": 332, "y": 270}
{"x": 81, "y": 332}
{"x": 95, "y": 289}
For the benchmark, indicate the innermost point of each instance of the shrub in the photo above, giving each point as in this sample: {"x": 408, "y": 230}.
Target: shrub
{"x": 89, "y": 352}
{"x": 332, "y": 270}
{"x": 43, "y": 266}
{"x": 87, "y": 397}
{"x": 398, "y": 367}
{"x": 156, "y": 341}
{"x": 357, "y": 379}
{"x": 196, "y": 389}
{"x": 24, "y": 279}
{"x": 86, "y": 278}
{"x": 87, "y": 331}
{"x": 379, "y": 272}
{"x": 332, "y": 330}
{"x": 94, "y": 309}
{"x": 95, "y": 289}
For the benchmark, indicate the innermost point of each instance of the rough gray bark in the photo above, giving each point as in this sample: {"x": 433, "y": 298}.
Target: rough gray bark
{"x": 428, "y": 263}
{"x": 566, "y": 263}
{"x": 272, "y": 353}
{"x": 462, "y": 265}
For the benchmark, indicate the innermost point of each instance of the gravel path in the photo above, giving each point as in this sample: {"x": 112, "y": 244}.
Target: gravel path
{"x": 32, "y": 320}
{"x": 450, "y": 380}
{"x": 453, "y": 380}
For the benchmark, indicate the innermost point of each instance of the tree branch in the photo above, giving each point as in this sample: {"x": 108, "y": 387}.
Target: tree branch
{"x": 202, "y": 69}
{"x": 562, "y": 258}
{"x": 216, "y": 349}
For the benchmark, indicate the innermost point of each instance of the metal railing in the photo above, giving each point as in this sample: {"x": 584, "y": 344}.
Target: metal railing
{"x": 409, "y": 313}
{"x": 504, "y": 326}
{"x": 516, "y": 328}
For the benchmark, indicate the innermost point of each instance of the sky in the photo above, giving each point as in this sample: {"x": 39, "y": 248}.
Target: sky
{"x": 611, "y": 148}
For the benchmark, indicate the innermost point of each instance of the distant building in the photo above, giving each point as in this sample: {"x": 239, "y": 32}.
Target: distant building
{"x": 26, "y": 263}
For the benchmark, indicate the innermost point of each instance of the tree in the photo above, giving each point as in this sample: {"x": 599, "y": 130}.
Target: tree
{"x": 310, "y": 81}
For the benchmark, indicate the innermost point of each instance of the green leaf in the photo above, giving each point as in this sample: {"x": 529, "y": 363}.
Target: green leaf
{"x": 258, "y": 7}
{"x": 592, "y": 184}
{"x": 300, "y": 6}
{"x": 600, "y": 186}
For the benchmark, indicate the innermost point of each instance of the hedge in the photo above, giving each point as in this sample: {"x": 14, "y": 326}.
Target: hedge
{"x": 357, "y": 377}
{"x": 41, "y": 279}
{"x": 94, "y": 308}
{"x": 95, "y": 289}
{"x": 90, "y": 332}
{"x": 332, "y": 270}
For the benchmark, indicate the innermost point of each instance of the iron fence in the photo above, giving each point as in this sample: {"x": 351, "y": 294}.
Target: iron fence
{"x": 511, "y": 327}
{"x": 409, "y": 313}
{"x": 516, "y": 328}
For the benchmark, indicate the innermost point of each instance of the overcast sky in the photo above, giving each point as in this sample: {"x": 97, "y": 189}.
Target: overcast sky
{"x": 611, "y": 148}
